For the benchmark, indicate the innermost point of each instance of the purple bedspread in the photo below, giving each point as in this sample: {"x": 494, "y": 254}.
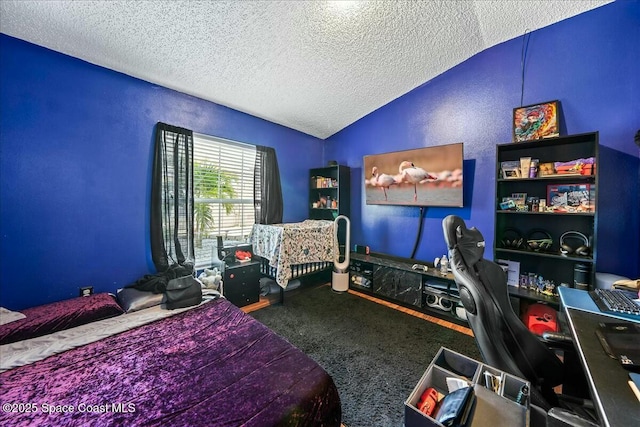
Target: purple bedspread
{"x": 210, "y": 366}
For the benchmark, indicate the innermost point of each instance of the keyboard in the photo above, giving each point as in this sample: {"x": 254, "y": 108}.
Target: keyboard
{"x": 615, "y": 302}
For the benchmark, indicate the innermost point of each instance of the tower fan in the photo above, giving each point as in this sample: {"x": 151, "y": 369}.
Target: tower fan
{"x": 340, "y": 274}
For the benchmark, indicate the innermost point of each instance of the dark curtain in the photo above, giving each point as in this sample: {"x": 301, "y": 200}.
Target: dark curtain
{"x": 172, "y": 199}
{"x": 267, "y": 191}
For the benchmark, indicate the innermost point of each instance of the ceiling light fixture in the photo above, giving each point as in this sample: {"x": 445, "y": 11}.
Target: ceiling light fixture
{"x": 343, "y": 6}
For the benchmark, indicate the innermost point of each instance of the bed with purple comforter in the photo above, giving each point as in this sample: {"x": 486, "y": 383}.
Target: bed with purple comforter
{"x": 212, "y": 365}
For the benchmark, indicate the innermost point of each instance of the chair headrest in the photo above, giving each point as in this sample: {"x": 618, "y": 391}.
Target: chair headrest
{"x": 468, "y": 241}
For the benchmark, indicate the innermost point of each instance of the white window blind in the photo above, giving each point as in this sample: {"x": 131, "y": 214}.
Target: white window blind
{"x": 223, "y": 173}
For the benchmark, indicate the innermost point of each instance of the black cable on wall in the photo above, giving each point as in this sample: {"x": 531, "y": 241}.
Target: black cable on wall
{"x": 523, "y": 56}
{"x": 419, "y": 235}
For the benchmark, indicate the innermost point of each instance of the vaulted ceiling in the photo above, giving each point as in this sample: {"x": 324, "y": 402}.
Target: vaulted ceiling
{"x": 314, "y": 66}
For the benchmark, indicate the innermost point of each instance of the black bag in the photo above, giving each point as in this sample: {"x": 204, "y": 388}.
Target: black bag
{"x": 183, "y": 292}
{"x": 157, "y": 283}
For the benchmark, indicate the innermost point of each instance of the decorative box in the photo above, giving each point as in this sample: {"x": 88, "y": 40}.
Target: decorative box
{"x": 571, "y": 197}
{"x": 546, "y": 169}
{"x": 585, "y": 166}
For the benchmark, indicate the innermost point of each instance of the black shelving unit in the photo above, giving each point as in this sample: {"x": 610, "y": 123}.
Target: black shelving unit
{"x": 549, "y": 263}
{"x": 329, "y": 190}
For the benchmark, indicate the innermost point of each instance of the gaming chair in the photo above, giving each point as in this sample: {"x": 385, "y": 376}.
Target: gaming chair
{"x": 502, "y": 338}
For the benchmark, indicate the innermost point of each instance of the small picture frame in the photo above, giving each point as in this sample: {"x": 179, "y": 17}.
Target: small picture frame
{"x": 511, "y": 172}
{"x": 510, "y": 169}
{"x": 546, "y": 169}
{"x": 536, "y": 121}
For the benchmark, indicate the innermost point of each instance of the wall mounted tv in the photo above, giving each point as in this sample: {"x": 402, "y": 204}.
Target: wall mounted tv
{"x": 428, "y": 176}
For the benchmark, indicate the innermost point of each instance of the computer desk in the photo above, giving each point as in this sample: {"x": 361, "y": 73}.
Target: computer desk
{"x": 615, "y": 403}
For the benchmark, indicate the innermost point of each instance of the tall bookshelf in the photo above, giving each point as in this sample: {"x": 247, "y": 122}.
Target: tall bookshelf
{"x": 535, "y": 223}
{"x": 329, "y": 190}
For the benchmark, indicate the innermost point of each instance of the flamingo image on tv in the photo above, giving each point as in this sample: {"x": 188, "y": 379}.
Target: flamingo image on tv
{"x": 427, "y": 176}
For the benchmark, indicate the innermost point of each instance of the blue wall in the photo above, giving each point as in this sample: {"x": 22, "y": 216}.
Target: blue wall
{"x": 76, "y": 147}
{"x": 591, "y": 63}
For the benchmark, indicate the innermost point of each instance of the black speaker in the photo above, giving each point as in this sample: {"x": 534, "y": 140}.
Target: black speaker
{"x": 581, "y": 277}
{"x": 360, "y": 249}
{"x": 439, "y": 302}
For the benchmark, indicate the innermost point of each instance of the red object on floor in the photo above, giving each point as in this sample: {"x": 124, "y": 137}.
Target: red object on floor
{"x": 540, "y": 318}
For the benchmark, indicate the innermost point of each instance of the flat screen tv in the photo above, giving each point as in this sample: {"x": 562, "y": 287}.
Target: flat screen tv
{"x": 428, "y": 176}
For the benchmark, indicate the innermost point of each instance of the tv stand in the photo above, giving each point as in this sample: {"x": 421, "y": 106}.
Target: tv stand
{"x": 396, "y": 279}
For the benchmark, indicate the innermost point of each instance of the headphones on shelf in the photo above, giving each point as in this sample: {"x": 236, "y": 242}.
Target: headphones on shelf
{"x": 582, "y": 250}
{"x": 512, "y": 238}
{"x": 542, "y": 244}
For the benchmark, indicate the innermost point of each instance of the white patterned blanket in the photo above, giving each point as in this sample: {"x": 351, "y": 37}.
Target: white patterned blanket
{"x": 285, "y": 245}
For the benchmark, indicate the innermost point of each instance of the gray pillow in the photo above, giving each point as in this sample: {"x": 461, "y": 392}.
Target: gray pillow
{"x": 131, "y": 299}
{"x": 8, "y": 316}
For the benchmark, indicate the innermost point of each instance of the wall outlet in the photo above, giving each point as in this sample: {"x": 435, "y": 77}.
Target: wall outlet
{"x": 86, "y": 291}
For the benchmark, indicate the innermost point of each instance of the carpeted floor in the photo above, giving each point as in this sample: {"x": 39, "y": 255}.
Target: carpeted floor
{"x": 374, "y": 353}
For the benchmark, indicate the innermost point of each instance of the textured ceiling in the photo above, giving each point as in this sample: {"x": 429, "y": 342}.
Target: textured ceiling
{"x": 314, "y": 66}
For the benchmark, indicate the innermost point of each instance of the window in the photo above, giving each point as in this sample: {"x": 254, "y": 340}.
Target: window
{"x": 223, "y": 174}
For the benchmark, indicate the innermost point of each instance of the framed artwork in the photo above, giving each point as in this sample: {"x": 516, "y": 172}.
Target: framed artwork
{"x": 510, "y": 169}
{"x": 536, "y": 121}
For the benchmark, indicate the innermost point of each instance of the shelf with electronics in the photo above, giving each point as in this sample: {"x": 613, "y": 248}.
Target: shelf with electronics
{"x": 546, "y": 214}
{"x": 407, "y": 282}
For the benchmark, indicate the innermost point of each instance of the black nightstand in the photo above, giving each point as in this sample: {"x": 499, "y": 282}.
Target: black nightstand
{"x": 242, "y": 283}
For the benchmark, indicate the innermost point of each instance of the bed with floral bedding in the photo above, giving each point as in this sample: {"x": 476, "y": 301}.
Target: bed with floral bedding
{"x": 292, "y": 250}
